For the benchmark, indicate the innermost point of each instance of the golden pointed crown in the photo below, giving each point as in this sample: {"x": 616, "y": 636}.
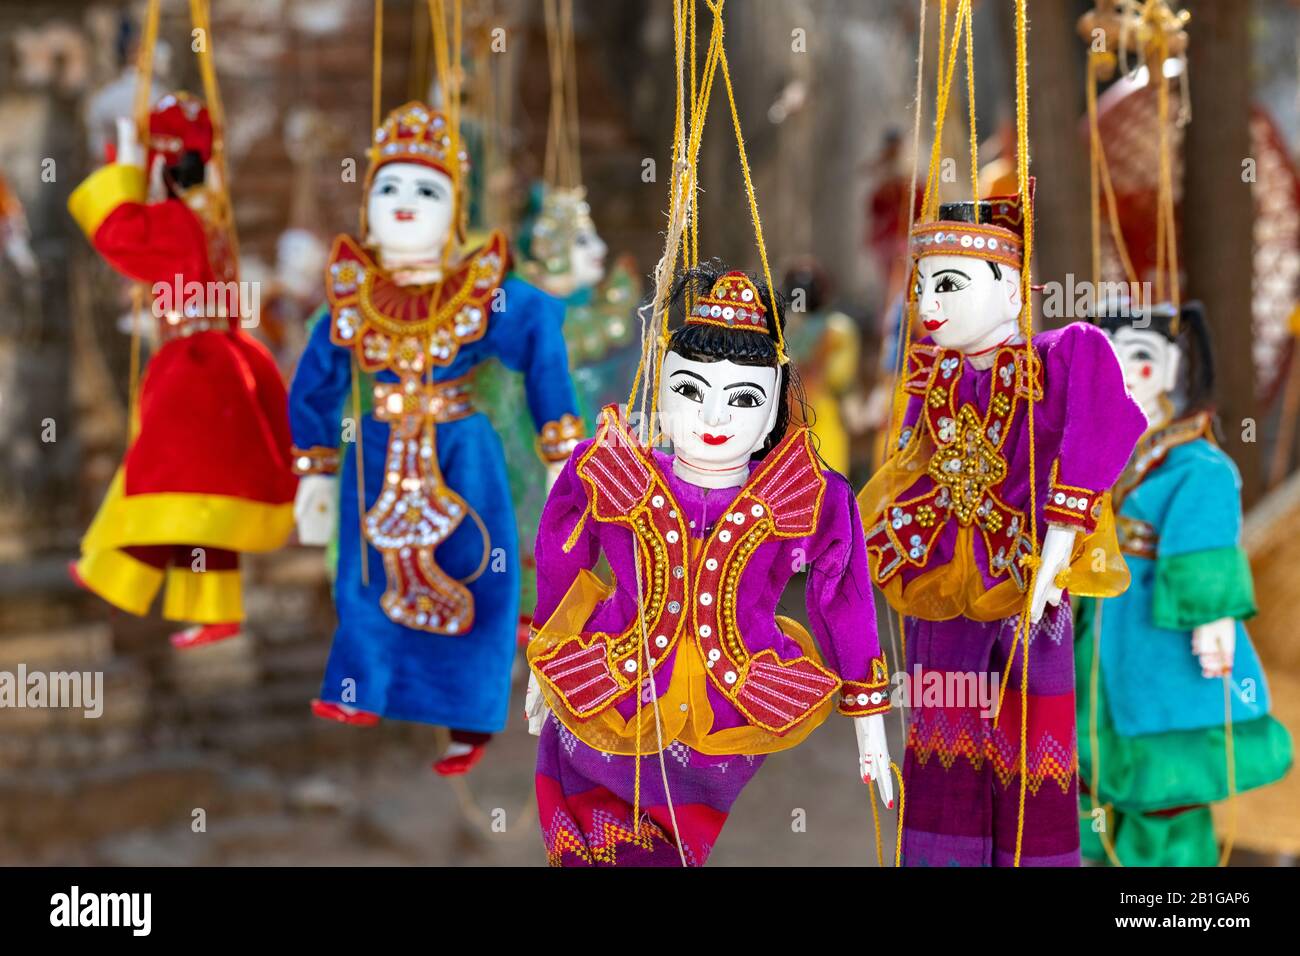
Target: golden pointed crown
{"x": 414, "y": 133}
{"x": 733, "y": 303}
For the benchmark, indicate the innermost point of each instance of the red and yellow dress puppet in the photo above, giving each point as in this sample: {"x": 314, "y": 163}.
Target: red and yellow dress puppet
{"x": 207, "y": 472}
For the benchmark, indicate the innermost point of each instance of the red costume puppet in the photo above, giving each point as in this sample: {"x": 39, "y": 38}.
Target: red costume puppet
{"x": 207, "y": 474}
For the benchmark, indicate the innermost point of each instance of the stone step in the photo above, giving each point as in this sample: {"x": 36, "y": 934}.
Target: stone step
{"x": 121, "y": 804}
{"x": 74, "y": 647}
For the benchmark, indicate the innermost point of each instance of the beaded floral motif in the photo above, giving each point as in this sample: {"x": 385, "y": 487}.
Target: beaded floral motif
{"x": 966, "y": 469}
{"x": 407, "y": 328}
{"x": 416, "y": 511}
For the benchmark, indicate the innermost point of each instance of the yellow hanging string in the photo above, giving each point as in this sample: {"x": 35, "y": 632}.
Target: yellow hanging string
{"x": 693, "y": 224}
{"x": 649, "y": 353}
{"x": 143, "y": 88}
{"x": 1027, "y": 327}
{"x": 200, "y": 19}
{"x": 663, "y": 269}
{"x": 1094, "y": 744}
{"x": 782, "y": 358}
{"x": 377, "y": 69}
{"x": 1230, "y": 755}
{"x": 930, "y": 206}
{"x": 970, "y": 103}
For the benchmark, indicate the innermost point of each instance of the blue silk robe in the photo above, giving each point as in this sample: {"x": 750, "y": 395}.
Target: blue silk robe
{"x": 377, "y": 664}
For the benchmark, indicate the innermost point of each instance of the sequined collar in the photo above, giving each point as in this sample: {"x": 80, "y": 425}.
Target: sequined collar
{"x": 1155, "y": 446}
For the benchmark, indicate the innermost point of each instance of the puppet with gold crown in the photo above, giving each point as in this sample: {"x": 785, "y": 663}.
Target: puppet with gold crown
{"x": 206, "y": 475}
{"x": 954, "y": 528}
{"x": 668, "y": 688}
{"x": 427, "y": 586}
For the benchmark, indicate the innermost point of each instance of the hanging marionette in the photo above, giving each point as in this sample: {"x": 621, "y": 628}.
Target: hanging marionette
{"x": 206, "y": 475}
{"x": 562, "y": 253}
{"x": 427, "y": 592}
{"x": 701, "y": 543}
{"x": 1152, "y": 662}
{"x": 950, "y": 523}
{"x": 992, "y": 506}
{"x": 566, "y": 258}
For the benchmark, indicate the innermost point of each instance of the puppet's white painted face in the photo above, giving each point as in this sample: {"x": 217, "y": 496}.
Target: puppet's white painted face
{"x": 962, "y": 304}
{"x": 587, "y": 258}
{"x": 1150, "y": 363}
{"x": 410, "y": 209}
{"x": 717, "y": 414}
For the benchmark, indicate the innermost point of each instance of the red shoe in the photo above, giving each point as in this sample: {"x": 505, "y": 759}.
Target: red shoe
{"x": 461, "y": 763}
{"x": 77, "y": 579}
{"x": 201, "y": 634}
{"x": 344, "y": 714}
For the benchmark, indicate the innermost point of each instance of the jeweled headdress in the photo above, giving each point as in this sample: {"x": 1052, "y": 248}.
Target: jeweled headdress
{"x": 998, "y": 236}
{"x": 732, "y": 303}
{"x": 415, "y": 133}
{"x": 564, "y": 215}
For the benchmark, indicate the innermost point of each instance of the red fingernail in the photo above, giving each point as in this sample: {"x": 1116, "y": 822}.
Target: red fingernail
{"x": 889, "y": 805}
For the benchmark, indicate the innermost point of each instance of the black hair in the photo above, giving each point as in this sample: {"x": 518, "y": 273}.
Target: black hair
{"x": 701, "y": 342}
{"x": 186, "y": 173}
{"x": 1191, "y": 335}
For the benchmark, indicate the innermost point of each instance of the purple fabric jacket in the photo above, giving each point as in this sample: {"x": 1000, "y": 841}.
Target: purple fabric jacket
{"x": 1085, "y": 428}
{"x": 795, "y": 516}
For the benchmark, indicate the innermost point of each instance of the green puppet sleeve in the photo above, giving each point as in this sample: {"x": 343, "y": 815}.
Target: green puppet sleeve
{"x": 1202, "y": 574}
{"x": 1202, "y": 586}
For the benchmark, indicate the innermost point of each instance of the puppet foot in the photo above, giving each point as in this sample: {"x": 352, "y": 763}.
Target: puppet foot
{"x": 201, "y": 634}
{"x": 459, "y": 759}
{"x": 344, "y": 714}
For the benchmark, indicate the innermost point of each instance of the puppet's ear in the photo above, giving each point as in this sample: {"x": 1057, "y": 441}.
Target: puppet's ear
{"x": 1011, "y": 289}
{"x": 1173, "y": 363}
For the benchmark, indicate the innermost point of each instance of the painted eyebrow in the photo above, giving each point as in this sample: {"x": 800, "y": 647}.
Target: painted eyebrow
{"x": 750, "y": 384}
{"x": 682, "y": 371}
{"x": 942, "y": 272}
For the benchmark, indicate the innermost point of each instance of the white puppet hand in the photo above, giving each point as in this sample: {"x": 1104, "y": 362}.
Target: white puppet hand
{"x": 1215, "y": 644}
{"x": 535, "y": 708}
{"x": 129, "y": 150}
{"x": 553, "y": 470}
{"x": 315, "y": 508}
{"x": 873, "y": 755}
{"x": 1058, "y": 545}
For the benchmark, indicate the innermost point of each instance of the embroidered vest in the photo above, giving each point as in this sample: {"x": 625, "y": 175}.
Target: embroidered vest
{"x": 967, "y": 467}
{"x": 409, "y": 330}
{"x": 689, "y": 600}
